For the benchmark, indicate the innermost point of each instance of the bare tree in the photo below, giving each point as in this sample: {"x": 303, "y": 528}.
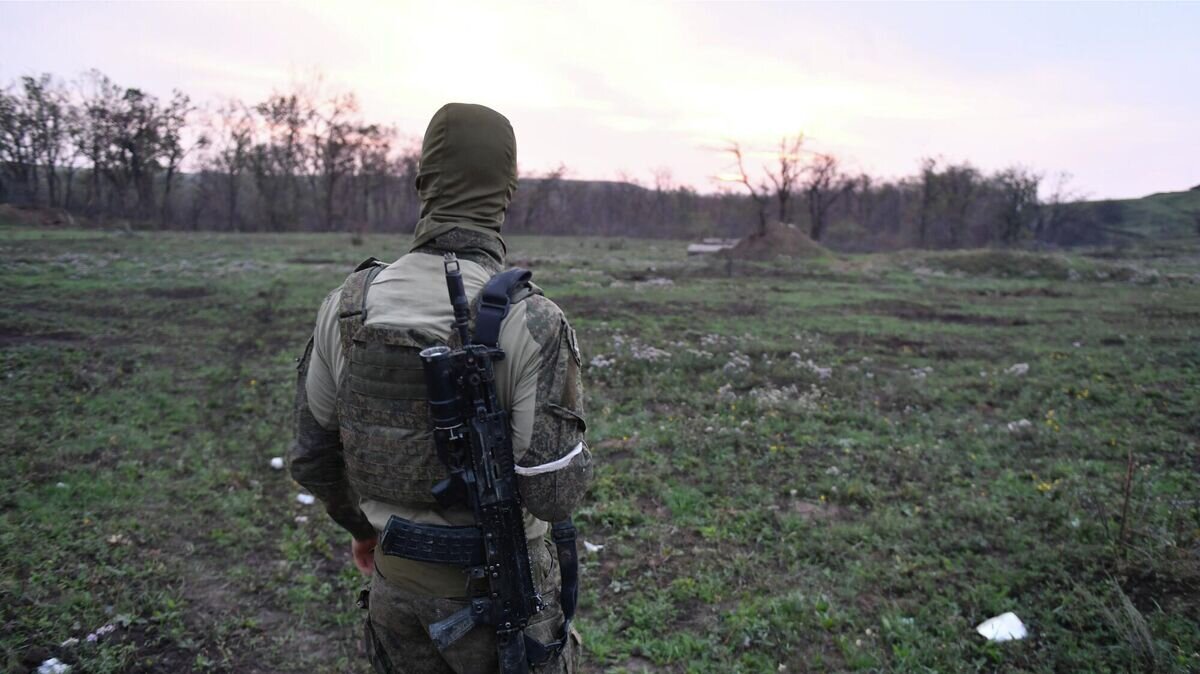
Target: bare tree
{"x": 48, "y": 113}
{"x": 1054, "y": 213}
{"x": 231, "y": 134}
{"x": 539, "y": 193}
{"x": 17, "y": 153}
{"x": 788, "y": 173}
{"x": 823, "y": 186}
{"x": 334, "y": 139}
{"x": 171, "y": 124}
{"x": 1018, "y": 192}
{"x": 279, "y": 159}
{"x": 758, "y": 193}
{"x": 960, "y": 189}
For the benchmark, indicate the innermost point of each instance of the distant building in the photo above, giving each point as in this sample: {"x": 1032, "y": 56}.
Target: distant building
{"x": 710, "y": 246}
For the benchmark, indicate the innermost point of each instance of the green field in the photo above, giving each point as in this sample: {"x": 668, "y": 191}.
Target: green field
{"x": 838, "y": 464}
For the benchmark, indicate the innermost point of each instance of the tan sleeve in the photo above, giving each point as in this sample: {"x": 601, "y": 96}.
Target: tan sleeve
{"x": 325, "y": 367}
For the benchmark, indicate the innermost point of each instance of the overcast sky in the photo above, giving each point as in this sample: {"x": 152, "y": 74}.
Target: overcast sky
{"x": 1109, "y": 93}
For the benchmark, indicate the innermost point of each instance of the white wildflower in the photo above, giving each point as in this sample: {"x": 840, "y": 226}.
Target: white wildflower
{"x": 738, "y": 363}
{"x": 822, "y": 373}
{"x": 641, "y": 351}
{"x": 305, "y": 499}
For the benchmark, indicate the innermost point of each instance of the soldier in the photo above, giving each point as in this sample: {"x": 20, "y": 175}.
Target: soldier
{"x": 363, "y": 445}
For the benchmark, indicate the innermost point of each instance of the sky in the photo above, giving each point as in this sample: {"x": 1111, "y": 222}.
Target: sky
{"x": 1108, "y": 93}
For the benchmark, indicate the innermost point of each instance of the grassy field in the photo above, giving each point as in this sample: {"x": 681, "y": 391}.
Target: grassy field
{"x": 842, "y": 464}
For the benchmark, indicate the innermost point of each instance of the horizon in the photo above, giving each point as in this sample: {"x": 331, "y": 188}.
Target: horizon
{"x": 1055, "y": 88}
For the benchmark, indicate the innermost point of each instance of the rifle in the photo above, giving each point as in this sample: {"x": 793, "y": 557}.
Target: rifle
{"x": 473, "y": 439}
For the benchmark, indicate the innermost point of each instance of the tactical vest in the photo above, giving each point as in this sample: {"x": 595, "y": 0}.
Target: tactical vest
{"x": 382, "y": 409}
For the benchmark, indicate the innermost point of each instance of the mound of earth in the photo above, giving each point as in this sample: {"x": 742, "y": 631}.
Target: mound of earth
{"x": 35, "y": 217}
{"x": 779, "y": 239}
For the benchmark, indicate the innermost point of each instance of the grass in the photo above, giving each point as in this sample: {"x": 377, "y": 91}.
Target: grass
{"x": 757, "y": 513}
{"x": 1156, "y": 216}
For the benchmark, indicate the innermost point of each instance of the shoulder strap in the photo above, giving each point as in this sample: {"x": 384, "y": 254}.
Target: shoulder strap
{"x": 352, "y": 305}
{"x": 495, "y": 299}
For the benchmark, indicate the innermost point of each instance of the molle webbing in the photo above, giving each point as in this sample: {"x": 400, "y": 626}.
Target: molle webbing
{"x": 382, "y": 410}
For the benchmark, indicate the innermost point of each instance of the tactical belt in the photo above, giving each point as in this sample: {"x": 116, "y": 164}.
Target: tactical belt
{"x": 463, "y": 547}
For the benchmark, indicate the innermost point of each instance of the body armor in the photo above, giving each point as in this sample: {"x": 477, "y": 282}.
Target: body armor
{"x": 382, "y": 410}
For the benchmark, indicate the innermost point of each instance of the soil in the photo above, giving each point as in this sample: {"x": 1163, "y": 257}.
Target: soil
{"x": 779, "y": 239}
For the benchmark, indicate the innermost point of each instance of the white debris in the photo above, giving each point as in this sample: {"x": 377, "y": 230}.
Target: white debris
{"x": 1004, "y": 627}
{"x": 301, "y": 519}
{"x": 600, "y": 362}
{"x": 1018, "y": 369}
{"x": 305, "y": 499}
{"x": 53, "y": 666}
{"x": 657, "y": 281}
{"x": 1019, "y": 425}
{"x": 1076, "y": 344}
{"x": 61, "y": 485}
{"x": 591, "y": 547}
{"x": 70, "y": 642}
{"x": 94, "y": 636}
{"x": 277, "y": 463}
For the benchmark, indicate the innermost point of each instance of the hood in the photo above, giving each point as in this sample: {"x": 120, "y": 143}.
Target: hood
{"x": 468, "y": 172}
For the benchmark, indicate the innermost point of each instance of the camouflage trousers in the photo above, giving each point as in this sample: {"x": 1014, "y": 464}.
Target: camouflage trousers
{"x": 397, "y": 636}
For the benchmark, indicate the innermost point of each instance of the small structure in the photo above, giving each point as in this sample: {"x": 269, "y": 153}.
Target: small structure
{"x": 710, "y": 246}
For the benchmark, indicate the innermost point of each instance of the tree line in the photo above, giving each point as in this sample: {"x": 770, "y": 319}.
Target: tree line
{"x": 305, "y": 159}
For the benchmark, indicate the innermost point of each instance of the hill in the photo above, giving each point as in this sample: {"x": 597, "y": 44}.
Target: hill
{"x": 1163, "y": 215}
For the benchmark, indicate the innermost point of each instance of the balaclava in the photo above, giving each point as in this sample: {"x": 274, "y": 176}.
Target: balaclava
{"x": 467, "y": 175}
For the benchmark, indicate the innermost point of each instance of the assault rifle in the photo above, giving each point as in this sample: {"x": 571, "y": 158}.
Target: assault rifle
{"x": 471, "y": 431}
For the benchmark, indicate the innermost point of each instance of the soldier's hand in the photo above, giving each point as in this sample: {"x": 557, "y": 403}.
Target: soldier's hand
{"x": 363, "y": 553}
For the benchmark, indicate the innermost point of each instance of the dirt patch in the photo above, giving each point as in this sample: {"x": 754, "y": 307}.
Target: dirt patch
{"x": 180, "y": 293}
{"x": 914, "y": 311}
{"x": 814, "y": 511}
{"x": 10, "y": 336}
{"x": 312, "y": 262}
{"x": 778, "y": 240}
{"x": 1037, "y": 291}
{"x": 617, "y": 448}
{"x": 593, "y": 307}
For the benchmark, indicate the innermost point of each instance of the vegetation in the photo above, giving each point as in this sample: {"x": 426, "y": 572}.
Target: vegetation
{"x": 839, "y": 463}
{"x": 306, "y": 159}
